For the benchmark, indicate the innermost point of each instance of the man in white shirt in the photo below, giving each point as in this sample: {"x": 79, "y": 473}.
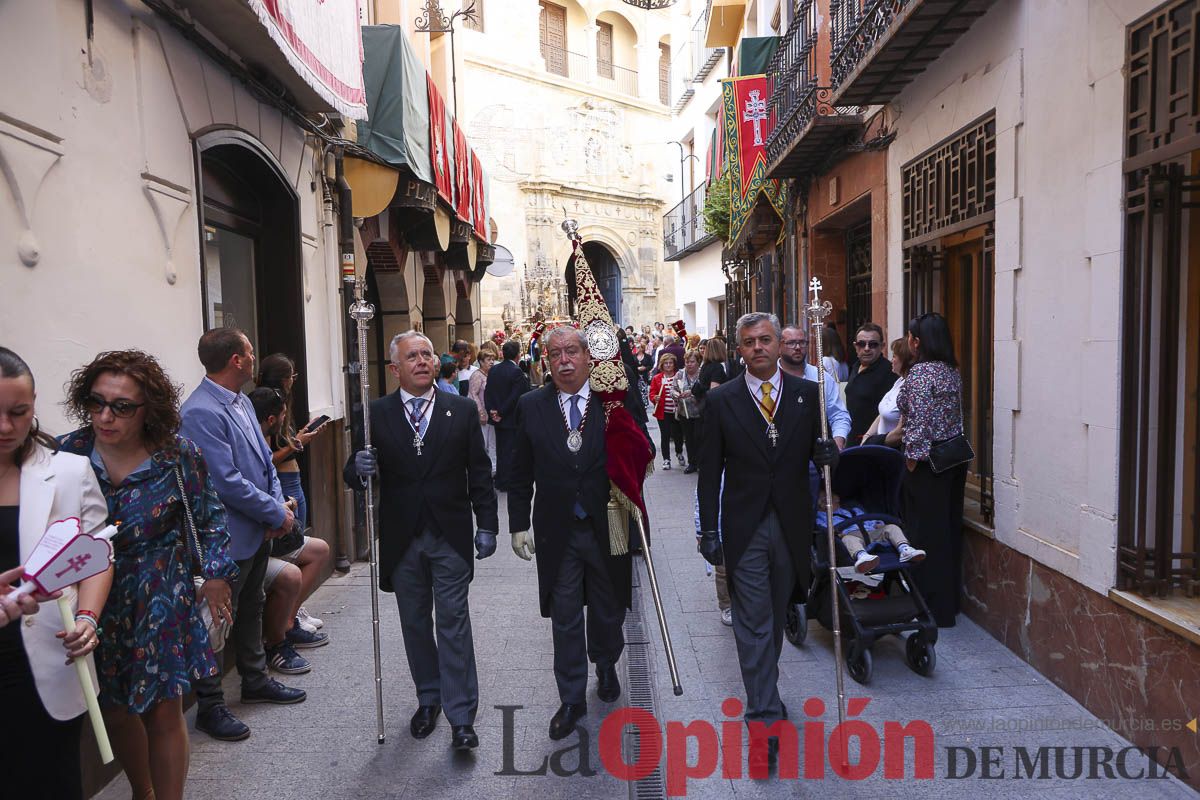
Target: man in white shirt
{"x": 793, "y": 360}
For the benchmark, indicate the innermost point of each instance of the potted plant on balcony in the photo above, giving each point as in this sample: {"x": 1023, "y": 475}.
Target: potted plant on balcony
{"x": 716, "y": 208}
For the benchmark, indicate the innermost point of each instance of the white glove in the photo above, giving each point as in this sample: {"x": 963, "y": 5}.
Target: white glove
{"x": 522, "y": 544}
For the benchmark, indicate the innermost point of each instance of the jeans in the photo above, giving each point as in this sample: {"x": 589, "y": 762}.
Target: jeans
{"x": 289, "y": 483}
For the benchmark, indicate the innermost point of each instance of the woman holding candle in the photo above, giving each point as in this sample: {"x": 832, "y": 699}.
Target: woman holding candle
{"x": 39, "y": 689}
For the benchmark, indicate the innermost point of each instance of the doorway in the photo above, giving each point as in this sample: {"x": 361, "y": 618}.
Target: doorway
{"x": 608, "y": 277}
{"x": 954, "y": 276}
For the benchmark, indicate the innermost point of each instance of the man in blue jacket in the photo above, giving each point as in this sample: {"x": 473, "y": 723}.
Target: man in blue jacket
{"x": 222, "y": 422}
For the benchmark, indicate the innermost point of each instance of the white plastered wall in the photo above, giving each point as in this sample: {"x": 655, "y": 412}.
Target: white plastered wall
{"x": 1054, "y": 82}
{"x": 100, "y": 174}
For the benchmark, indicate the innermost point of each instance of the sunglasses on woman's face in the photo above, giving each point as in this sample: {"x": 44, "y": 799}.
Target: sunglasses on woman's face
{"x": 122, "y": 408}
{"x": 865, "y": 345}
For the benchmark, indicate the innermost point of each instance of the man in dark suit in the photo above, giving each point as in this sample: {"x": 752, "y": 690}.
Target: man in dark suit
{"x": 428, "y": 452}
{"x": 761, "y": 430}
{"x": 506, "y": 383}
{"x": 560, "y": 447}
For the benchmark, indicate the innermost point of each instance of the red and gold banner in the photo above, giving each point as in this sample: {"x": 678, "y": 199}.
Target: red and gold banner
{"x": 462, "y": 175}
{"x": 478, "y": 199}
{"x": 439, "y": 143}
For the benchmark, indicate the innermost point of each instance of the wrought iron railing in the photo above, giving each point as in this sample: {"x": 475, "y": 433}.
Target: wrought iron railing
{"x": 621, "y": 79}
{"x": 683, "y": 225}
{"x": 796, "y": 99}
{"x": 794, "y": 69}
{"x": 858, "y": 25}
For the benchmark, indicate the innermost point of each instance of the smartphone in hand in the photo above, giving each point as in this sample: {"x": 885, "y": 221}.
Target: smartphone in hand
{"x": 316, "y": 423}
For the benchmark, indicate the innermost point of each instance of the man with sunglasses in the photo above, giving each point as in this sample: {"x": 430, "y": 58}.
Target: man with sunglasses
{"x": 870, "y": 380}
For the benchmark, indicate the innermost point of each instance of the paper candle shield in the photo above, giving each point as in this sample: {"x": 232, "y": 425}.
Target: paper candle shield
{"x": 65, "y": 556}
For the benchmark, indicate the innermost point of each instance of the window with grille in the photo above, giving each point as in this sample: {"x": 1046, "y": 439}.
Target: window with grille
{"x": 1159, "y": 488}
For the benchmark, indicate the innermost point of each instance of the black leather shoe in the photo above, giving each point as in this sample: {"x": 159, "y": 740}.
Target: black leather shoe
{"x": 218, "y": 723}
{"x": 564, "y": 721}
{"x": 607, "y": 686}
{"x": 424, "y": 721}
{"x": 760, "y": 763}
{"x": 273, "y": 692}
{"x": 462, "y": 737}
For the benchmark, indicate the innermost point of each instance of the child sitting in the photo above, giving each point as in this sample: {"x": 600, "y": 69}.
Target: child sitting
{"x": 876, "y": 530}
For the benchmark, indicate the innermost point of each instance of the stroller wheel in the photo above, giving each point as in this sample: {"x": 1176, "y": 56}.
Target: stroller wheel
{"x": 795, "y": 624}
{"x": 920, "y": 655}
{"x": 859, "y": 665}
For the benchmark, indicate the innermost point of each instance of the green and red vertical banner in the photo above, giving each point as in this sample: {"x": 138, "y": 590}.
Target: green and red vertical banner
{"x": 746, "y": 123}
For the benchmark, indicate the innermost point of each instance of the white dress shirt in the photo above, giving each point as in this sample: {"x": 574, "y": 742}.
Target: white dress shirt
{"x": 426, "y": 410}
{"x": 564, "y": 402}
{"x": 835, "y": 407}
{"x": 755, "y": 387}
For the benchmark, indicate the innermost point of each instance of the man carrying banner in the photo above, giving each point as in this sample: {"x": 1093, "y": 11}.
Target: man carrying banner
{"x": 565, "y": 445}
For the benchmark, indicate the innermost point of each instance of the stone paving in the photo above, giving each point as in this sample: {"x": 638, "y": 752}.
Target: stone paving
{"x": 981, "y": 694}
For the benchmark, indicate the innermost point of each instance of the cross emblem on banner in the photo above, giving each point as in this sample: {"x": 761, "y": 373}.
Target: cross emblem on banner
{"x": 756, "y": 112}
{"x": 75, "y": 564}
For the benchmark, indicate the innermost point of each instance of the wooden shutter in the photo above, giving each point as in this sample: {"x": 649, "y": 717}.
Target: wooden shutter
{"x": 604, "y": 49}
{"x": 664, "y": 73}
{"x": 552, "y": 31}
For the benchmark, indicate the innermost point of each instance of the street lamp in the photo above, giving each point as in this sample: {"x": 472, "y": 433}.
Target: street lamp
{"x": 432, "y": 20}
{"x": 682, "y": 161}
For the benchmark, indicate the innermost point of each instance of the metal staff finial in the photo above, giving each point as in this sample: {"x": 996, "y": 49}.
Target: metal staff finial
{"x": 817, "y": 311}
{"x": 362, "y": 312}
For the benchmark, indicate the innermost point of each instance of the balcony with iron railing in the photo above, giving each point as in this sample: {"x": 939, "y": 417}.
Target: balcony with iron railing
{"x": 809, "y": 129}
{"x": 578, "y": 67}
{"x": 880, "y": 46}
{"x": 617, "y": 79}
{"x": 683, "y": 227}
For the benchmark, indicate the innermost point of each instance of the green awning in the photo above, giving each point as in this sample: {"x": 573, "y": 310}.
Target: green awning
{"x": 754, "y": 54}
{"x": 397, "y": 128}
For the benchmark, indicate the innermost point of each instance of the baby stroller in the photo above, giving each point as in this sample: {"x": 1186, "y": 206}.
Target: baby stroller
{"x": 868, "y": 477}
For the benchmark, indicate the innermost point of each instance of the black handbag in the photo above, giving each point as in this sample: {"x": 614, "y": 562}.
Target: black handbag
{"x": 949, "y": 453}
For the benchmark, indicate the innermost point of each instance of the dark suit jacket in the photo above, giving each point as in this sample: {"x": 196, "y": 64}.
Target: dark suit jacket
{"x": 541, "y": 457}
{"x": 506, "y": 383}
{"x": 431, "y": 490}
{"x": 758, "y": 476}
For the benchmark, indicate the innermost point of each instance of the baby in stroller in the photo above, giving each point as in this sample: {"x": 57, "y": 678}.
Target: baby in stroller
{"x": 876, "y": 531}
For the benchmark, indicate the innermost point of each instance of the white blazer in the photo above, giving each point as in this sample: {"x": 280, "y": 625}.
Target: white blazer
{"x": 56, "y": 486}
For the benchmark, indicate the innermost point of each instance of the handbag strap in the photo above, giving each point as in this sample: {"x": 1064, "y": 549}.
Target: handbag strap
{"x": 193, "y": 539}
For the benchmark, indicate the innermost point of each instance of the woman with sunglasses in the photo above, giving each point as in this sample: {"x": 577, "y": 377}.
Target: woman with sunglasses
{"x": 154, "y": 644}
{"x": 930, "y": 404}
{"x": 39, "y": 687}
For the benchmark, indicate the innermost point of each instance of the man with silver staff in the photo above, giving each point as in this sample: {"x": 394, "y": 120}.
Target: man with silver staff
{"x": 761, "y": 430}
{"x": 560, "y": 447}
{"x": 433, "y": 470}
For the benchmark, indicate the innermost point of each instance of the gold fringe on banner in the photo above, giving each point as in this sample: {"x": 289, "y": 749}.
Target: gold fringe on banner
{"x": 619, "y": 509}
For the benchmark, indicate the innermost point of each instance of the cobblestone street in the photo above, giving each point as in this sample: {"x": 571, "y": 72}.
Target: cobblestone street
{"x": 980, "y": 695}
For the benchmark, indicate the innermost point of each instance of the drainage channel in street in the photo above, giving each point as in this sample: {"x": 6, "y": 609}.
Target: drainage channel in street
{"x": 639, "y": 681}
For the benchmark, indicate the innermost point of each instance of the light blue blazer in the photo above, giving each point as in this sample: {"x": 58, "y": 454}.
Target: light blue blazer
{"x": 239, "y": 465}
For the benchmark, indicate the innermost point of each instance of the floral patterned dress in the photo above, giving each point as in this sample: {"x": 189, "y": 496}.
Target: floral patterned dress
{"x": 153, "y": 643}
